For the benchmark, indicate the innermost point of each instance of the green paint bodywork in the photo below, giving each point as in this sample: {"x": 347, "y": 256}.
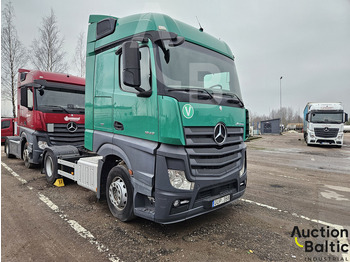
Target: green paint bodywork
{"x": 170, "y": 122}
{"x": 156, "y": 118}
{"x": 139, "y": 23}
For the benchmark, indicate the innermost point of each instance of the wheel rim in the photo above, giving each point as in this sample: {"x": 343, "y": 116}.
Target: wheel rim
{"x": 118, "y": 193}
{"x": 26, "y": 155}
{"x": 49, "y": 166}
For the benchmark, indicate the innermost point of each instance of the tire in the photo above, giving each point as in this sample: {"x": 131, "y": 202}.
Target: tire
{"x": 26, "y": 158}
{"x": 50, "y": 167}
{"x": 306, "y": 138}
{"x": 7, "y": 149}
{"x": 119, "y": 193}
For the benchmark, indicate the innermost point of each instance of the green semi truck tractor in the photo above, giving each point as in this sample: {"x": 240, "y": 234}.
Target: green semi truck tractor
{"x": 164, "y": 121}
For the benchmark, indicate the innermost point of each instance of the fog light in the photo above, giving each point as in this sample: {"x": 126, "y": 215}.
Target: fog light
{"x": 178, "y": 180}
{"x": 178, "y": 202}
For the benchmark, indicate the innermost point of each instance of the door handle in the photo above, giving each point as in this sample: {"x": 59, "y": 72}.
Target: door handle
{"x": 118, "y": 125}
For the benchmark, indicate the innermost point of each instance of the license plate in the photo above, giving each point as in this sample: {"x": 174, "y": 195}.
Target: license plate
{"x": 220, "y": 201}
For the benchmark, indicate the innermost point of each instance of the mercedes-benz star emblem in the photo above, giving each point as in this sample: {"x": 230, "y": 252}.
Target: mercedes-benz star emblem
{"x": 326, "y": 129}
{"x": 72, "y": 127}
{"x": 220, "y": 133}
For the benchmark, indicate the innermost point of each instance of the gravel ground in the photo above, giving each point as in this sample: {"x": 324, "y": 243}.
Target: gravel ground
{"x": 289, "y": 184}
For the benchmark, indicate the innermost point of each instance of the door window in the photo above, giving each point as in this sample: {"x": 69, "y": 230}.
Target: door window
{"x": 145, "y": 72}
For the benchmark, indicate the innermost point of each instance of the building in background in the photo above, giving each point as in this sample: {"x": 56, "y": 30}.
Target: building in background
{"x": 271, "y": 126}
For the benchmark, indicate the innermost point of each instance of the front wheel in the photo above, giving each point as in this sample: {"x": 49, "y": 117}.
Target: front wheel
{"x": 26, "y": 157}
{"x": 306, "y": 139}
{"x": 50, "y": 167}
{"x": 119, "y": 192}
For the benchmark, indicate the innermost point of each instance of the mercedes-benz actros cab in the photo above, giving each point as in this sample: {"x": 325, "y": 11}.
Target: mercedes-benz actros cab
{"x": 50, "y": 112}
{"x": 164, "y": 121}
{"x": 324, "y": 123}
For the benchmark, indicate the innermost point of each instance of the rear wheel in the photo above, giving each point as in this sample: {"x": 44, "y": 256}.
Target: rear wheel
{"x": 119, "y": 192}
{"x": 50, "y": 167}
{"x": 26, "y": 157}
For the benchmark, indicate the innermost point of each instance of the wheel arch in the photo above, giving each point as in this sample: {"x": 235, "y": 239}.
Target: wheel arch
{"x": 24, "y": 140}
{"x": 112, "y": 156}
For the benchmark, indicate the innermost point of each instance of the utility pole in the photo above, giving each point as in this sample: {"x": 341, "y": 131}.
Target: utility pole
{"x": 281, "y": 94}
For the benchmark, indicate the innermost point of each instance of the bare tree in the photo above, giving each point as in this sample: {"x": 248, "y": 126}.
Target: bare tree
{"x": 80, "y": 54}
{"x": 286, "y": 114}
{"x": 13, "y": 56}
{"x": 48, "y": 54}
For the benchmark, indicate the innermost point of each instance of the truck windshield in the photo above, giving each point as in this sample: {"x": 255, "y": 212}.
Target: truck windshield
{"x": 327, "y": 117}
{"x": 53, "y": 99}
{"x": 189, "y": 67}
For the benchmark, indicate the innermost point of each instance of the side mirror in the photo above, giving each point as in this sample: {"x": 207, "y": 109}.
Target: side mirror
{"x": 307, "y": 117}
{"x": 346, "y": 117}
{"x": 131, "y": 64}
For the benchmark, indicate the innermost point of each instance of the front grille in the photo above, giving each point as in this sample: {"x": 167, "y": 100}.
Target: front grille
{"x": 326, "y": 132}
{"x": 206, "y": 157}
{"x": 61, "y": 135}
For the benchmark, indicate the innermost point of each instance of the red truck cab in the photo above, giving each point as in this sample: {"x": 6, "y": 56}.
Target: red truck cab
{"x": 7, "y": 128}
{"x": 51, "y": 109}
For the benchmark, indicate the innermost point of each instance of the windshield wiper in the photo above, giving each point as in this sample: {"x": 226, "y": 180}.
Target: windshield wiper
{"x": 233, "y": 96}
{"x": 61, "y": 107}
{"x": 192, "y": 89}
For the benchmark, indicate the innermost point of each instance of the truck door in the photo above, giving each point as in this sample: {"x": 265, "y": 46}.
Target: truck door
{"x": 137, "y": 116}
{"x": 25, "y": 114}
{"x": 104, "y": 88}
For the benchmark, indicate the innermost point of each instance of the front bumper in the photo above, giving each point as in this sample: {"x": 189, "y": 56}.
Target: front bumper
{"x": 224, "y": 188}
{"x": 166, "y": 213}
{"x": 315, "y": 140}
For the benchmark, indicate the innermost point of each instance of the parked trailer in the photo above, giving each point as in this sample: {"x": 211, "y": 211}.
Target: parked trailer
{"x": 50, "y": 112}
{"x": 159, "y": 143}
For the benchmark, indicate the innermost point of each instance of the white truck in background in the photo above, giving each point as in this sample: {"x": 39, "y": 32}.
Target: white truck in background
{"x": 324, "y": 123}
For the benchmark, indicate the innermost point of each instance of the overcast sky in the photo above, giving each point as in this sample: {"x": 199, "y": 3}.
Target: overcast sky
{"x": 305, "y": 41}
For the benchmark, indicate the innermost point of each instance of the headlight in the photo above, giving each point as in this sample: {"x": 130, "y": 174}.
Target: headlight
{"x": 42, "y": 144}
{"x": 178, "y": 180}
